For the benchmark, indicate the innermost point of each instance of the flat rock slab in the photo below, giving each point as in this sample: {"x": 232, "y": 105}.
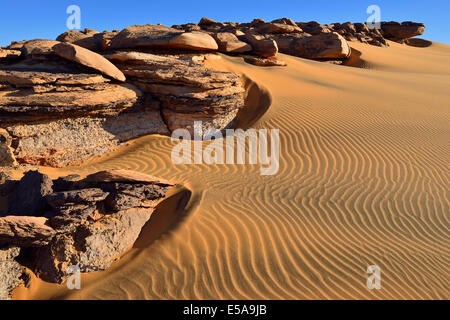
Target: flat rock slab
{"x": 89, "y": 59}
{"x": 25, "y": 231}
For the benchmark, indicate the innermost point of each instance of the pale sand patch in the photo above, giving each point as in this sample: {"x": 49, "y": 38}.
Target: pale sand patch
{"x": 363, "y": 180}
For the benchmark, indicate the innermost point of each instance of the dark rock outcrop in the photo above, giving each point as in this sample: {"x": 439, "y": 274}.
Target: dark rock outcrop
{"x": 321, "y": 46}
{"x": 28, "y": 198}
{"x": 400, "y": 32}
{"x": 87, "y": 223}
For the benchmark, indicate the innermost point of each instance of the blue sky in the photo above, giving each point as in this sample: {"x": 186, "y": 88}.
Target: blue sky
{"x": 20, "y": 20}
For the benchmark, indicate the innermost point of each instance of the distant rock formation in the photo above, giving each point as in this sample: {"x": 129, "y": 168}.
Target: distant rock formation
{"x": 400, "y": 32}
{"x": 86, "y": 93}
{"x": 87, "y": 223}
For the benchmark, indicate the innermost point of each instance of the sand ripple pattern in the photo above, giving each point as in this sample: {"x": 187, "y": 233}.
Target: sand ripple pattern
{"x": 363, "y": 180}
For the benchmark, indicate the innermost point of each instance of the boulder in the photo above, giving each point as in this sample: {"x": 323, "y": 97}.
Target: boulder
{"x": 206, "y": 22}
{"x": 286, "y": 21}
{"x": 89, "y": 59}
{"x": 72, "y": 208}
{"x": 277, "y": 28}
{"x": 38, "y": 48}
{"x": 321, "y": 46}
{"x": 401, "y": 31}
{"x": 84, "y": 38}
{"x": 313, "y": 27}
{"x": 261, "y": 45}
{"x": 229, "y": 43}
{"x": 71, "y": 36}
{"x": 157, "y": 36}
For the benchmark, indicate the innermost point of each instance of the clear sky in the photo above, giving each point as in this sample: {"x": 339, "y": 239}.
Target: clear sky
{"x": 46, "y": 19}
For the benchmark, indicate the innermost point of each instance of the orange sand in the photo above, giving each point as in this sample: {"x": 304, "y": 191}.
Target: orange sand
{"x": 363, "y": 180}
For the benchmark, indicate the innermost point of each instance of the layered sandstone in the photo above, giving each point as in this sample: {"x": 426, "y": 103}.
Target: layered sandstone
{"x": 88, "y": 223}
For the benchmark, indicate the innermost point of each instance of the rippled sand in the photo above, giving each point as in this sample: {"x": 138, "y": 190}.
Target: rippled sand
{"x": 363, "y": 180}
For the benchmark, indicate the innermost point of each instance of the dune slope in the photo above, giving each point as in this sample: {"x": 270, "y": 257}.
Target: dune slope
{"x": 363, "y": 181}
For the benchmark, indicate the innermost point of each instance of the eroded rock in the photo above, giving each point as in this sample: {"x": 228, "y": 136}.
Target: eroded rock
{"x": 158, "y": 36}
{"x": 186, "y": 89}
{"x": 401, "y": 31}
{"x": 28, "y": 198}
{"x": 11, "y": 272}
{"x": 89, "y": 59}
{"x": 321, "y": 46}
{"x": 87, "y": 223}
{"x": 229, "y": 43}
{"x": 24, "y": 231}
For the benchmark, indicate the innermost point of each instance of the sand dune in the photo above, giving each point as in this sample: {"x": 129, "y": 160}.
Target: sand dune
{"x": 363, "y": 180}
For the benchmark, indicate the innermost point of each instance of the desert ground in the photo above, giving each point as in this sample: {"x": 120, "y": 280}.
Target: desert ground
{"x": 363, "y": 180}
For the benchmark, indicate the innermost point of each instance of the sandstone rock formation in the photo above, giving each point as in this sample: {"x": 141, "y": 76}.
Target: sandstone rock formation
{"x": 88, "y": 223}
{"x": 186, "y": 89}
{"x": 402, "y": 31}
{"x": 322, "y": 46}
{"x": 229, "y": 43}
{"x": 62, "y": 101}
{"x": 89, "y": 59}
{"x": 158, "y": 36}
{"x": 11, "y": 272}
{"x": 25, "y": 231}
{"x": 262, "y": 45}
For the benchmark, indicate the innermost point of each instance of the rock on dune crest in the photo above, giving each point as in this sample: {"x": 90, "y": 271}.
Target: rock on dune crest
{"x": 402, "y": 31}
{"x": 157, "y": 36}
